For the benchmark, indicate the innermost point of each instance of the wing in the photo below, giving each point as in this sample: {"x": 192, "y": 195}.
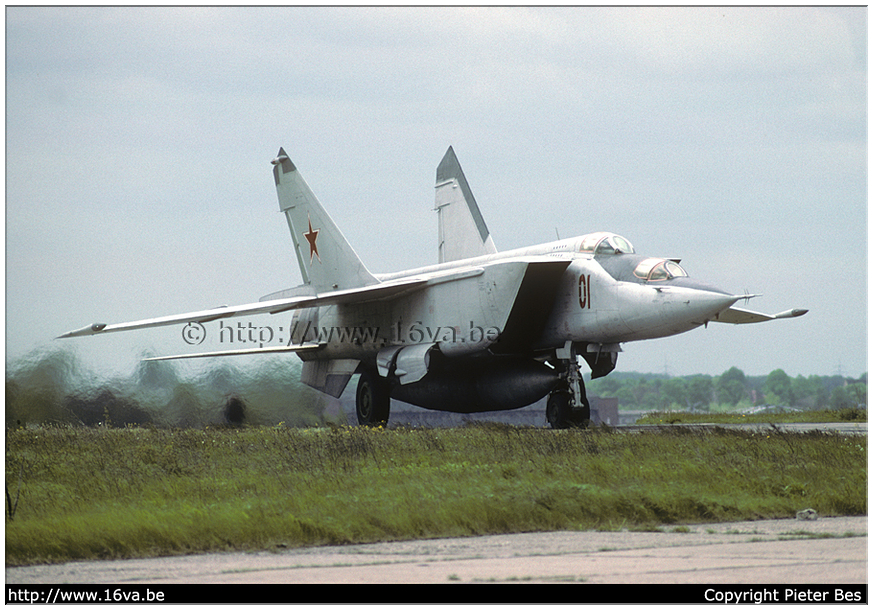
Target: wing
{"x": 735, "y": 315}
{"x": 379, "y": 292}
{"x": 384, "y": 290}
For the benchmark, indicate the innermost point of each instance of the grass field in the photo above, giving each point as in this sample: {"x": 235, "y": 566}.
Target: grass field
{"x": 136, "y": 492}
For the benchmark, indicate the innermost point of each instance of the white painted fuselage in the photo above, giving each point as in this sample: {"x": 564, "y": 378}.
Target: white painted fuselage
{"x": 463, "y": 316}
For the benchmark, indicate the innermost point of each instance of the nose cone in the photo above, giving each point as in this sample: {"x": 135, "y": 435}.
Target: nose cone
{"x": 702, "y": 299}
{"x": 706, "y": 304}
{"x": 694, "y": 303}
{"x": 671, "y": 308}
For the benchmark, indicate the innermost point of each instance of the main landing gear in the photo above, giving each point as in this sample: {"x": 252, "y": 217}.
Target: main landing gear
{"x": 568, "y": 406}
{"x": 373, "y": 399}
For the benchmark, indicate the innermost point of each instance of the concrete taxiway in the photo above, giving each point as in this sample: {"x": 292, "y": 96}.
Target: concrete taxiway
{"x": 847, "y": 428}
{"x": 786, "y": 551}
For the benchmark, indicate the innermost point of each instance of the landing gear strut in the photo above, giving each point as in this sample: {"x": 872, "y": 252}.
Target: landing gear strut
{"x": 373, "y": 399}
{"x": 568, "y": 406}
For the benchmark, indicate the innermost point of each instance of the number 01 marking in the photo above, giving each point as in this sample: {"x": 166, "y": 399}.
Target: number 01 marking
{"x": 585, "y": 291}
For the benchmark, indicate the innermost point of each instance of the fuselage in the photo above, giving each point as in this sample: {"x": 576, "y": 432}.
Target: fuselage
{"x": 606, "y": 295}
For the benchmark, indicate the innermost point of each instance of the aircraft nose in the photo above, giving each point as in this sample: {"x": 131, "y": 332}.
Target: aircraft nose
{"x": 689, "y": 303}
{"x": 678, "y": 308}
{"x": 700, "y": 302}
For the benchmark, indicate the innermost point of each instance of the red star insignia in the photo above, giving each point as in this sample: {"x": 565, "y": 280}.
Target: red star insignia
{"x": 312, "y": 236}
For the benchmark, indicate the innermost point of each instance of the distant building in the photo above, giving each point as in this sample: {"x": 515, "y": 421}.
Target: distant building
{"x": 604, "y": 410}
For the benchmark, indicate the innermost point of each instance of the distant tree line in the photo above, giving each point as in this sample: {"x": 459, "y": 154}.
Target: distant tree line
{"x": 730, "y": 390}
{"x": 53, "y": 387}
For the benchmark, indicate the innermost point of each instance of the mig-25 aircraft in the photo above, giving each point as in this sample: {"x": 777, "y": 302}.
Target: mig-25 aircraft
{"x": 481, "y": 330}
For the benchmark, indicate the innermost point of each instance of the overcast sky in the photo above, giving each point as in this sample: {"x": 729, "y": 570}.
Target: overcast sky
{"x": 139, "y": 140}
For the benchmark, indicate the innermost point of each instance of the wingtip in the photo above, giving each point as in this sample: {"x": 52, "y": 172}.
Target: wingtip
{"x": 91, "y": 329}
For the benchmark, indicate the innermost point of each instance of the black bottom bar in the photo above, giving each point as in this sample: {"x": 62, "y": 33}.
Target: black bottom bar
{"x": 515, "y": 593}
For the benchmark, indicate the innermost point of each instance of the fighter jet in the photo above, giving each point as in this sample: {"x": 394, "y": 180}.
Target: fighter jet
{"x": 481, "y": 330}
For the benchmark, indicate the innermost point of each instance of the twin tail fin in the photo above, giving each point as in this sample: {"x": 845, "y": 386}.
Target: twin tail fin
{"x": 327, "y": 261}
{"x": 462, "y": 229}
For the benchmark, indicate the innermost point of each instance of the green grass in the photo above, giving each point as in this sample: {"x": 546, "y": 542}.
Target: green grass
{"x": 796, "y": 417}
{"x": 138, "y": 492}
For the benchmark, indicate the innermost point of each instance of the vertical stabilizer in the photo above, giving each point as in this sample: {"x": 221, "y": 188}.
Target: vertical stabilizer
{"x": 462, "y": 230}
{"x": 327, "y": 261}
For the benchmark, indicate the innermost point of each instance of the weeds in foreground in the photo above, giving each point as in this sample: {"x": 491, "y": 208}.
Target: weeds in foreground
{"x": 104, "y": 493}
{"x": 12, "y": 505}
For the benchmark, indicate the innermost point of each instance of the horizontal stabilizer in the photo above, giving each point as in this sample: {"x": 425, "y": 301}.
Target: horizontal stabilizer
{"x": 735, "y": 315}
{"x": 240, "y": 352}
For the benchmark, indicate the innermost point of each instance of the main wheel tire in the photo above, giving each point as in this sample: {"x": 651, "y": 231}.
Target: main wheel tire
{"x": 373, "y": 400}
{"x": 558, "y": 410}
{"x": 561, "y": 415}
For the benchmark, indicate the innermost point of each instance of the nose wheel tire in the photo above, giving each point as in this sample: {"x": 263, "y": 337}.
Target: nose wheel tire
{"x": 373, "y": 400}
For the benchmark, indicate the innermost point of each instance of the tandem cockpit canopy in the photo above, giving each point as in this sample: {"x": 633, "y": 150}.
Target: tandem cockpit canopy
{"x": 659, "y": 269}
{"x": 605, "y": 243}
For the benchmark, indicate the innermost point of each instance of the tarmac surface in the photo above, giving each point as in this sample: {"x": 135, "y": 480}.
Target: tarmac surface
{"x": 859, "y": 428}
{"x": 785, "y": 551}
